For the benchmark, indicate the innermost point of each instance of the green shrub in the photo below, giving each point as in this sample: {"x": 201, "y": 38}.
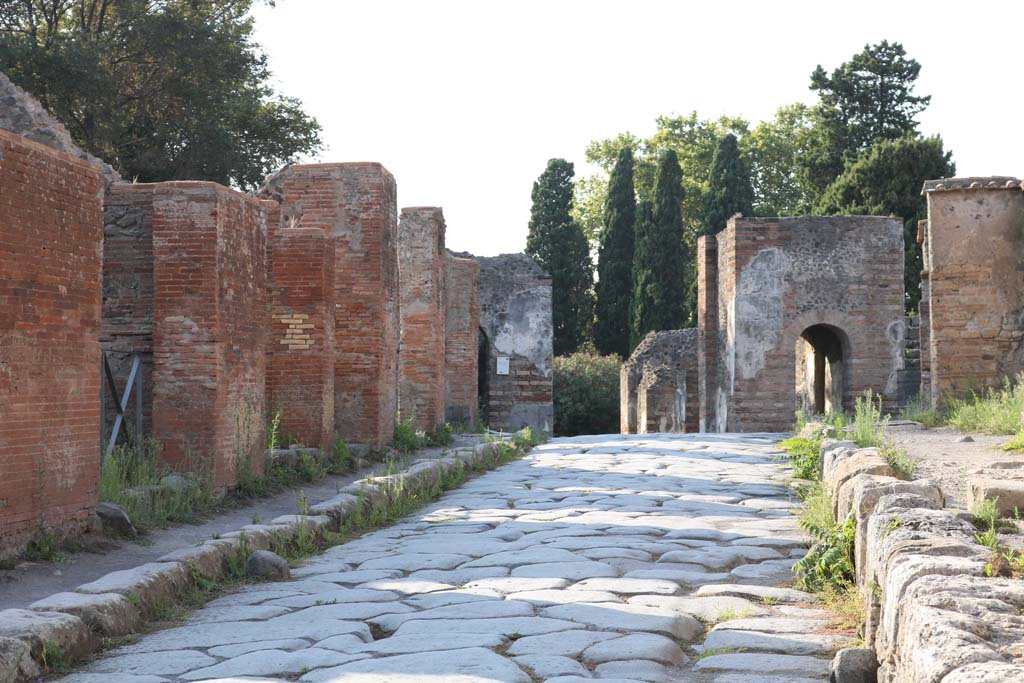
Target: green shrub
{"x": 868, "y": 427}
{"x": 997, "y": 411}
{"x": 406, "y": 439}
{"x": 829, "y": 565}
{"x": 586, "y": 394}
{"x": 1016, "y": 443}
{"x": 804, "y": 455}
{"x": 439, "y": 436}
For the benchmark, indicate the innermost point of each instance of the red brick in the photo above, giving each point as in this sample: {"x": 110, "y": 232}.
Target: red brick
{"x": 51, "y": 232}
{"x": 462, "y": 321}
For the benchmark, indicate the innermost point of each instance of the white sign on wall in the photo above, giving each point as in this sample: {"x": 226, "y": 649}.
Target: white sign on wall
{"x": 503, "y": 365}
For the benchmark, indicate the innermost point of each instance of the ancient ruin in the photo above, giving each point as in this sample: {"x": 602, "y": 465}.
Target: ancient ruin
{"x": 797, "y": 313}
{"x": 972, "y": 304}
{"x": 309, "y": 307}
{"x": 515, "y": 343}
{"x": 422, "y": 264}
{"x": 658, "y": 384}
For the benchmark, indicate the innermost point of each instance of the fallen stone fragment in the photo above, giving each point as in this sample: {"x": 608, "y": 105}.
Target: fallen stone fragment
{"x": 115, "y": 520}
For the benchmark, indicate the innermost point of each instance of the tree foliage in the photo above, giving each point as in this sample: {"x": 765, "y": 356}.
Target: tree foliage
{"x": 729, "y": 189}
{"x": 661, "y": 259}
{"x": 586, "y": 394}
{"x": 615, "y": 261}
{"x": 556, "y": 243}
{"x": 868, "y": 98}
{"x": 160, "y": 89}
{"x": 886, "y": 180}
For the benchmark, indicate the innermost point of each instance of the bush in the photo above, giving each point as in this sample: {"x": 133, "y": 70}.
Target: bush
{"x": 586, "y": 388}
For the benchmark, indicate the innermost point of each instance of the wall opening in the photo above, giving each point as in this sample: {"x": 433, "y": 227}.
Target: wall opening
{"x": 821, "y": 355}
{"x": 483, "y": 381}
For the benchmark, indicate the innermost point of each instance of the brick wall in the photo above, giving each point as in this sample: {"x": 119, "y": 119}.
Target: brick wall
{"x": 707, "y": 331}
{"x": 462, "y": 333}
{"x": 422, "y": 262}
{"x": 300, "y": 352}
{"x": 209, "y": 326}
{"x": 658, "y": 384}
{"x": 355, "y": 205}
{"x": 127, "y": 319}
{"x": 778, "y": 277}
{"x": 51, "y": 231}
{"x": 975, "y": 236}
{"x": 515, "y": 316}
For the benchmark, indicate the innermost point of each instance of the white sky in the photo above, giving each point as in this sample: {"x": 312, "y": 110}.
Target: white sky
{"x": 465, "y": 101}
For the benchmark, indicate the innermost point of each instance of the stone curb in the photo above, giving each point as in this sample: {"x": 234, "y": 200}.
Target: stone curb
{"x": 932, "y": 613}
{"x": 117, "y": 604}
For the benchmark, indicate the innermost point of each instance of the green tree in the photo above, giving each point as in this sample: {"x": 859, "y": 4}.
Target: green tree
{"x": 557, "y": 244}
{"x": 870, "y": 97}
{"x": 729, "y": 189}
{"x": 886, "y": 180}
{"x": 773, "y": 149}
{"x": 615, "y": 261}
{"x": 175, "y": 89}
{"x": 661, "y": 261}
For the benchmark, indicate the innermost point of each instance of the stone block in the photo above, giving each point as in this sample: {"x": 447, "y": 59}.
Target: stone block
{"x": 69, "y": 634}
{"x": 150, "y": 586}
{"x": 109, "y": 614}
{"x": 1008, "y": 494}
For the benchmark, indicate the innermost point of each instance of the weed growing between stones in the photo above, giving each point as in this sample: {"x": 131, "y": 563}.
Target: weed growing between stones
{"x": 51, "y": 659}
{"x": 42, "y": 547}
{"x": 996, "y": 411}
{"x": 804, "y": 455}
{"x": 408, "y": 439}
{"x": 132, "y": 478}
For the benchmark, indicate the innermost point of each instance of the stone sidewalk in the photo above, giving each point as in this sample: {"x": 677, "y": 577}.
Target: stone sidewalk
{"x": 619, "y": 558}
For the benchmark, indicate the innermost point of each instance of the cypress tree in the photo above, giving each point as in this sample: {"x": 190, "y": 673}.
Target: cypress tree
{"x": 730, "y": 190}
{"x": 556, "y": 242}
{"x": 615, "y": 261}
{"x": 661, "y": 261}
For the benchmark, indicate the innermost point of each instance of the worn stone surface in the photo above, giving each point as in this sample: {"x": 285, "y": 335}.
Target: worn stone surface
{"x": 1008, "y": 494}
{"x": 532, "y": 572}
{"x": 116, "y": 520}
{"x": 267, "y": 565}
{"x": 854, "y": 665}
{"x": 109, "y": 614}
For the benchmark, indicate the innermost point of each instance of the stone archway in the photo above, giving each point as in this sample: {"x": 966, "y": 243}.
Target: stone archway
{"x": 822, "y": 368}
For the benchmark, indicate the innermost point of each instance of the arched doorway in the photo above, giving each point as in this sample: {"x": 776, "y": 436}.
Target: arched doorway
{"x": 483, "y": 381}
{"x": 822, "y": 352}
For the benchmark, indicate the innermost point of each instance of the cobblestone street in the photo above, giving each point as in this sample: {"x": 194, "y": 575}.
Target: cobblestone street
{"x": 620, "y": 558}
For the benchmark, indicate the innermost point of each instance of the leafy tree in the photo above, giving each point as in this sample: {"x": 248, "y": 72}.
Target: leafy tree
{"x": 161, "y": 90}
{"x": 869, "y": 98}
{"x": 773, "y": 149}
{"x": 615, "y": 261}
{"x": 557, "y": 244}
{"x": 661, "y": 261}
{"x": 886, "y": 180}
{"x": 729, "y": 191}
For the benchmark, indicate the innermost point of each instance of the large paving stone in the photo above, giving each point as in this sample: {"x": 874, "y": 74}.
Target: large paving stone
{"x": 469, "y": 665}
{"x": 756, "y": 593}
{"x": 66, "y": 631}
{"x": 628, "y": 586}
{"x": 269, "y": 662}
{"x": 566, "y": 643}
{"x": 780, "y": 643}
{"x": 765, "y": 665}
{"x": 708, "y": 609}
{"x": 573, "y": 571}
{"x": 629, "y": 618}
{"x": 484, "y": 609}
{"x": 512, "y": 627}
{"x": 169, "y": 663}
{"x": 635, "y": 646}
{"x": 549, "y": 666}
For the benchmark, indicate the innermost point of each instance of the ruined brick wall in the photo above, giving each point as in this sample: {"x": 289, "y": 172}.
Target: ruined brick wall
{"x": 973, "y": 254}
{"x": 658, "y": 384}
{"x": 515, "y": 316}
{"x": 707, "y": 330}
{"x": 127, "y": 319}
{"x": 300, "y": 352}
{"x": 51, "y": 232}
{"x": 781, "y": 278}
{"x": 356, "y": 206}
{"x": 422, "y": 262}
{"x": 209, "y": 311}
{"x": 462, "y": 334}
